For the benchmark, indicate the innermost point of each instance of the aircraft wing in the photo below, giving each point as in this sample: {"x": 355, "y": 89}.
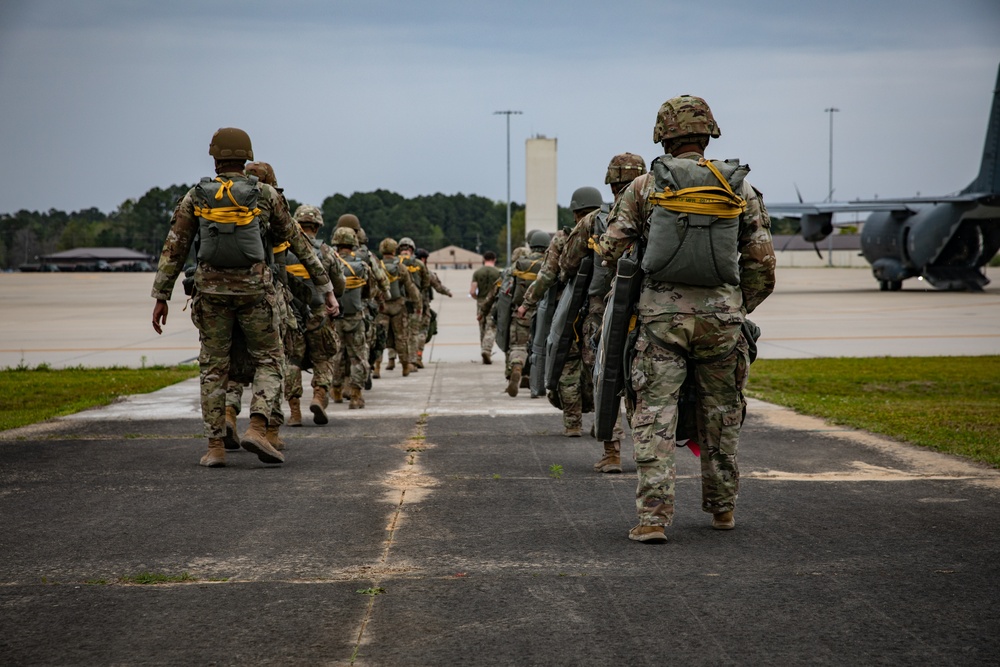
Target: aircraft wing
{"x": 870, "y": 205}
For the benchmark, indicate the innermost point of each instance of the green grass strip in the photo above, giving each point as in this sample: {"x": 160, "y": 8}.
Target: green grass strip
{"x": 30, "y": 395}
{"x": 950, "y": 404}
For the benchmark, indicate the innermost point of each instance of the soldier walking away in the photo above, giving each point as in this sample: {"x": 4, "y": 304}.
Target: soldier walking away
{"x": 428, "y": 321}
{"x": 522, "y": 273}
{"x": 622, "y": 170}
{"x": 237, "y": 221}
{"x": 394, "y": 312}
{"x": 350, "y": 366}
{"x": 318, "y": 343}
{"x": 569, "y": 388}
{"x": 693, "y": 302}
{"x": 421, "y": 278}
{"x": 485, "y": 279}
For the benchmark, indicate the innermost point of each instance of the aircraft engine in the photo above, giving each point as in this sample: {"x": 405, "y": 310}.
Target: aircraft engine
{"x": 816, "y": 226}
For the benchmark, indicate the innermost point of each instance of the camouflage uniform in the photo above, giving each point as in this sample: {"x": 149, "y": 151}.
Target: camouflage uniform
{"x": 526, "y": 270}
{"x": 394, "y": 311}
{"x": 316, "y": 345}
{"x": 351, "y": 360}
{"x": 421, "y": 278}
{"x": 573, "y": 383}
{"x": 225, "y": 297}
{"x": 487, "y": 279}
{"x": 690, "y": 328}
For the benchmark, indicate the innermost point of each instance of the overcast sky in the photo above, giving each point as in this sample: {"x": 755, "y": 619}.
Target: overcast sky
{"x": 102, "y": 100}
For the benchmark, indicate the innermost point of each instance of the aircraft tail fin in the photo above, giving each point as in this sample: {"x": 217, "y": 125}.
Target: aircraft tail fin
{"x": 988, "y": 179}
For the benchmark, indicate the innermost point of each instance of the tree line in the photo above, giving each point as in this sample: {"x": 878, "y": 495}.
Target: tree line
{"x": 432, "y": 221}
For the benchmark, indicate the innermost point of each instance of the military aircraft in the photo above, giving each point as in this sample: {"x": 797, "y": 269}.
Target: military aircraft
{"x": 945, "y": 240}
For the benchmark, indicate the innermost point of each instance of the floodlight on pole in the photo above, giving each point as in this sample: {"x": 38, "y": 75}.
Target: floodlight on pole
{"x": 508, "y": 113}
{"x": 829, "y": 195}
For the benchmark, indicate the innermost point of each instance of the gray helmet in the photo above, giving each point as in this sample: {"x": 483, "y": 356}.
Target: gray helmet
{"x": 539, "y": 240}
{"x": 230, "y": 143}
{"x": 344, "y": 236}
{"x": 387, "y": 246}
{"x": 407, "y": 241}
{"x": 585, "y": 197}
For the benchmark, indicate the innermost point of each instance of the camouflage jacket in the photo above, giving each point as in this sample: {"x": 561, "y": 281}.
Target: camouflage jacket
{"x": 420, "y": 275}
{"x": 436, "y": 285}
{"x": 380, "y": 286}
{"x": 279, "y": 227}
{"x": 328, "y": 257}
{"x": 629, "y": 221}
{"x": 406, "y": 285}
{"x": 549, "y": 273}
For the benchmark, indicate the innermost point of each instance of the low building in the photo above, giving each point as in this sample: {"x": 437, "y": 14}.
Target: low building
{"x": 97, "y": 259}
{"x": 453, "y": 257}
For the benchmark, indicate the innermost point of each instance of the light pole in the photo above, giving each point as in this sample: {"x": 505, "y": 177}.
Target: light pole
{"x": 508, "y": 113}
{"x": 829, "y": 195}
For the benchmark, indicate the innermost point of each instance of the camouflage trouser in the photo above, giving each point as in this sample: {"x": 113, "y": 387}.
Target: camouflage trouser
{"x": 425, "y": 326}
{"x": 520, "y": 339}
{"x": 656, "y": 376}
{"x": 591, "y": 331}
{"x": 352, "y": 357}
{"x": 571, "y": 392}
{"x": 487, "y": 329}
{"x": 214, "y": 316}
{"x": 396, "y": 319}
{"x": 416, "y": 335}
{"x": 319, "y": 344}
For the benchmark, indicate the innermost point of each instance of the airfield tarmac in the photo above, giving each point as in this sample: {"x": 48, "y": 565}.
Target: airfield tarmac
{"x": 103, "y": 319}
{"x": 450, "y": 524}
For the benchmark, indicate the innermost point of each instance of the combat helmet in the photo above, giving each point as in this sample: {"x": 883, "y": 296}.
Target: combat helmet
{"x": 388, "y": 246}
{"x": 344, "y": 236}
{"x": 585, "y": 197}
{"x": 683, "y": 116}
{"x": 539, "y": 240}
{"x": 263, "y": 171}
{"x": 349, "y": 220}
{"x": 407, "y": 241}
{"x": 624, "y": 168}
{"x": 308, "y": 215}
{"x": 230, "y": 143}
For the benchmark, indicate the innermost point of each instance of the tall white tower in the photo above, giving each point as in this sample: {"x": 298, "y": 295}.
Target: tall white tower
{"x": 541, "y": 207}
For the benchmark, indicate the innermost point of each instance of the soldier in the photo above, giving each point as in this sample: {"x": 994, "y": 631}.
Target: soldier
{"x": 374, "y": 332}
{"x": 318, "y": 343}
{"x": 234, "y": 391}
{"x": 429, "y": 317}
{"x": 238, "y": 220}
{"x": 523, "y": 271}
{"x": 422, "y": 280}
{"x": 484, "y": 281}
{"x": 622, "y": 170}
{"x": 573, "y": 385}
{"x": 692, "y": 306}
{"x": 352, "y": 358}
{"x": 394, "y": 311}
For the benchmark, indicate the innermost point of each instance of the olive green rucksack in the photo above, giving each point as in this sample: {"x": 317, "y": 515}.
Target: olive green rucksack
{"x": 695, "y": 226}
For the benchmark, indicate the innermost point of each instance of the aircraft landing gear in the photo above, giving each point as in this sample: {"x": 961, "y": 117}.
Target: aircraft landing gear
{"x": 890, "y": 285}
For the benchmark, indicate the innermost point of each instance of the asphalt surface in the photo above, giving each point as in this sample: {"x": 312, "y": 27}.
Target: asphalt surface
{"x": 450, "y": 524}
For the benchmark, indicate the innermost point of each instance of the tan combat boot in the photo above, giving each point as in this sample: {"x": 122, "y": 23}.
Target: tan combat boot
{"x": 255, "y": 440}
{"x": 652, "y": 534}
{"x": 612, "y": 461}
{"x": 230, "y": 439}
{"x": 723, "y": 521}
{"x": 391, "y": 365}
{"x": 357, "y": 400}
{"x": 274, "y": 438}
{"x": 419, "y": 361}
{"x": 318, "y": 406}
{"x": 515, "y": 380}
{"x": 295, "y": 412}
{"x": 216, "y": 455}
{"x": 338, "y": 394}
{"x": 487, "y": 358}
{"x": 407, "y": 369}
{"x": 376, "y": 369}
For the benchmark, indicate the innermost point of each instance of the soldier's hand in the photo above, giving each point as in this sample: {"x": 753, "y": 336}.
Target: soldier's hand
{"x": 521, "y": 310}
{"x": 160, "y": 315}
{"x": 332, "y": 307}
